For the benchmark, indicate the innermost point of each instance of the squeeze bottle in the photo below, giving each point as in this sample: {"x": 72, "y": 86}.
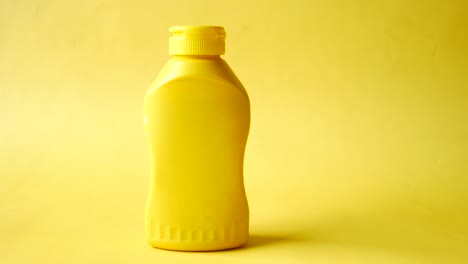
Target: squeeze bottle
{"x": 197, "y": 119}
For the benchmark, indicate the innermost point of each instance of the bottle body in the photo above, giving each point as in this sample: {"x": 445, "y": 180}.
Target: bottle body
{"x": 197, "y": 118}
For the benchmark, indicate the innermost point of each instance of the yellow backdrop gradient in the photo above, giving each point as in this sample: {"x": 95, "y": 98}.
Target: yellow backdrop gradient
{"x": 358, "y": 151}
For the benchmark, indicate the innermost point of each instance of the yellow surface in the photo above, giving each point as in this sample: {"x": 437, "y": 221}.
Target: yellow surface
{"x": 358, "y": 144}
{"x": 197, "y": 119}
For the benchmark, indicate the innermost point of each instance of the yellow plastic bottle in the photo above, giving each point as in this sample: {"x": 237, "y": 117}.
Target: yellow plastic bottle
{"x": 197, "y": 119}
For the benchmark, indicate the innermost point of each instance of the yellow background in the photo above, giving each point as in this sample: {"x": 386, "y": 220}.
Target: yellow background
{"x": 358, "y": 151}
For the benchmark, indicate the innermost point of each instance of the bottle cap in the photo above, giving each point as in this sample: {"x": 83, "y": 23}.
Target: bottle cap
{"x": 197, "y": 40}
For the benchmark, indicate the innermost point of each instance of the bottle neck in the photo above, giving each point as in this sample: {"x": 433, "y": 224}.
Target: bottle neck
{"x": 198, "y": 57}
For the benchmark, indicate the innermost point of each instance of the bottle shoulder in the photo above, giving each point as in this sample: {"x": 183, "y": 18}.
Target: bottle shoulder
{"x": 177, "y": 70}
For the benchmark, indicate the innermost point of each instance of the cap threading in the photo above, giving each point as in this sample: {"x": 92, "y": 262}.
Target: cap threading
{"x": 197, "y": 40}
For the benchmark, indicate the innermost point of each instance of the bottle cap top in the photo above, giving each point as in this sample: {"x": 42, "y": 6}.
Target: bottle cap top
{"x": 196, "y": 40}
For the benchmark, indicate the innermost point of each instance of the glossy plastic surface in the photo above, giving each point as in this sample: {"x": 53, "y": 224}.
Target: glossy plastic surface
{"x": 197, "y": 118}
